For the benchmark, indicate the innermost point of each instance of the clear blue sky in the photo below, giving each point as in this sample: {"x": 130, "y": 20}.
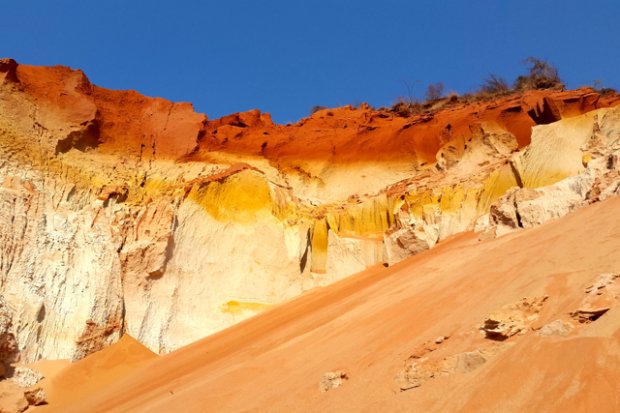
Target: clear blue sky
{"x": 285, "y": 56}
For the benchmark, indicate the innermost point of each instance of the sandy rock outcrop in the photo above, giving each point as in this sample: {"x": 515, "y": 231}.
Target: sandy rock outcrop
{"x": 417, "y": 371}
{"x": 512, "y": 319}
{"x": 163, "y": 305}
{"x": 61, "y": 275}
{"x": 587, "y": 148}
{"x": 599, "y": 298}
{"x": 123, "y": 213}
{"x": 556, "y": 328}
{"x": 332, "y": 380}
{"x": 35, "y": 397}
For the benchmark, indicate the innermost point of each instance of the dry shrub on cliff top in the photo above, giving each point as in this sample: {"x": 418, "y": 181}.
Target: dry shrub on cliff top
{"x": 434, "y": 91}
{"x": 317, "y": 108}
{"x": 495, "y": 85}
{"x": 541, "y": 75}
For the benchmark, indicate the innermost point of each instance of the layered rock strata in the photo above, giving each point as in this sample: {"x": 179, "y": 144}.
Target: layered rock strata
{"x": 128, "y": 214}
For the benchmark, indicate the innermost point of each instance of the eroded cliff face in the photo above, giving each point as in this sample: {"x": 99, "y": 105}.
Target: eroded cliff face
{"x": 127, "y": 214}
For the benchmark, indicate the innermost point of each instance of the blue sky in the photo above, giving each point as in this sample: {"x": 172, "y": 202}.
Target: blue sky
{"x": 284, "y": 57}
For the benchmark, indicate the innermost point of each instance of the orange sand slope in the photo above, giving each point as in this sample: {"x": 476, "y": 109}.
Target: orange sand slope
{"x": 88, "y": 375}
{"x": 408, "y": 338}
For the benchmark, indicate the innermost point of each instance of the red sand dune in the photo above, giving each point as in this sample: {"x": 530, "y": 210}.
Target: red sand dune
{"x": 370, "y": 324}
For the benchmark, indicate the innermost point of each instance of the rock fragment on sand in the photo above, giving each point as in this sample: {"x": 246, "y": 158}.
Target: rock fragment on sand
{"x": 599, "y": 298}
{"x": 556, "y": 328}
{"x": 512, "y": 319}
{"x": 332, "y": 380}
{"x": 36, "y": 397}
{"x": 419, "y": 370}
{"x": 588, "y": 315}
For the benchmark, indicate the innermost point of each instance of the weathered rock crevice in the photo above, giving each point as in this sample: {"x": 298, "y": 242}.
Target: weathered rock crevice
{"x": 82, "y": 140}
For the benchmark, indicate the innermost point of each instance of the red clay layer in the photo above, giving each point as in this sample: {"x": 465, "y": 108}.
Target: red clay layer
{"x": 350, "y": 134}
{"x": 128, "y": 122}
